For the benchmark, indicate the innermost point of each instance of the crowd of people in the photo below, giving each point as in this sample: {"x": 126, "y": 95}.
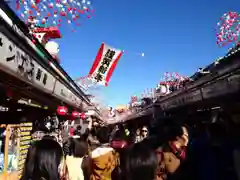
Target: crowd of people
{"x": 101, "y": 153}
{"x": 119, "y": 153}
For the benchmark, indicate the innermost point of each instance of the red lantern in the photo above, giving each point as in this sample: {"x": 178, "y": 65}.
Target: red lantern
{"x": 9, "y": 93}
{"x": 62, "y": 110}
{"x": 83, "y": 116}
{"x": 75, "y": 114}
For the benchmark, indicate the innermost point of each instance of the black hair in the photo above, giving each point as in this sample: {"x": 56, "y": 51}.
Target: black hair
{"x": 49, "y": 137}
{"x": 141, "y": 162}
{"x": 103, "y": 135}
{"x": 79, "y": 127}
{"x": 93, "y": 131}
{"x": 43, "y": 160}
{"x": 76, "y": 133}
{"x": 169, "y": 130}
{"x": 67, "y": 147}
{"x": 79, "y": 147}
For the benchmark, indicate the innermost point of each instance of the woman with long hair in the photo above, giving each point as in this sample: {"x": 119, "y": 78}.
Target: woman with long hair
{"x": 43, "y": 161}
{"x": 78, "y": 163}
{"x": 141, "y": 163}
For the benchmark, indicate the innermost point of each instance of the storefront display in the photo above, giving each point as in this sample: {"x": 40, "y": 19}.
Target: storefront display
{"x": 8, "y": 157}
{"x": 2, "y": 142}
{"x": 9, "y": 151}
{"x": 25, "y": 139}
{"x": 14, "y": 141}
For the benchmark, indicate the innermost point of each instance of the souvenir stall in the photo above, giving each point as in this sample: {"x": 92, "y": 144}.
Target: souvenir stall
{"x": 33, "y": 88}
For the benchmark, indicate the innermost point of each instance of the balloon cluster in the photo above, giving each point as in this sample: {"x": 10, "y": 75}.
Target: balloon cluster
{"x": 47, "y": 13}
{"x": 228, "y": 29}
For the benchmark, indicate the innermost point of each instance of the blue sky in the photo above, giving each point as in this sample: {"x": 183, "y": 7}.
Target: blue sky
{"x": 176, "y": 36}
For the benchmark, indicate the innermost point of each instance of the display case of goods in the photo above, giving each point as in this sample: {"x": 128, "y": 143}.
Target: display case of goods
{"x": 14, "y": 141}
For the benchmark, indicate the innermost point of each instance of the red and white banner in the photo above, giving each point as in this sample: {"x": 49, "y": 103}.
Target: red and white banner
{"x": 104, "y": 64}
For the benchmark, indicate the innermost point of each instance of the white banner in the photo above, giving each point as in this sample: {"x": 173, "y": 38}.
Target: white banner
{"x": 16, "y": 62}
{"x": 105, "y": 64}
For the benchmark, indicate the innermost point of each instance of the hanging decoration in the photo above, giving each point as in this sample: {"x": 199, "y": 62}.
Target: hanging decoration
{"x": 45, "y": 34}
{"x": 53, "y": 48}
{"x": 228, "y": 29}
{"x": 148, "y": 93}
{"x": 62, "y": 110}
{"x": 83, "y": 116}
{"x": 86, "y": 82}
{"x": 134, "y": 99}
{"x": 162, "y": 89}
{"x": 172, "y": 78}
{"x": 104, "y": 64}
{"x": 54, "y": 12}
{"x": 75, "y": 114}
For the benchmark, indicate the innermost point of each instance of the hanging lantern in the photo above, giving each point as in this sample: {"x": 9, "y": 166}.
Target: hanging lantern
{"x": 83, "y": 116}
{"x": 75, "y": 114}
{"x": 62, "y": 110}
{"x": 9, "y": 93}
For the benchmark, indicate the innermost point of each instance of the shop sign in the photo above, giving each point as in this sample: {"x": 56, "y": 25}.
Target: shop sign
{"x": 84, "y": 106}
{"x": 25, "y": 139}
{"x": 74, "y": 99}
{"x": 19, "y": 64}
{"x": 62, "y": 92}
{"x": 215, "y": 89}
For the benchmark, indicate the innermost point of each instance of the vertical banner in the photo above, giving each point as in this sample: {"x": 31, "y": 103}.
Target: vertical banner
{"x": 104, "y": 64}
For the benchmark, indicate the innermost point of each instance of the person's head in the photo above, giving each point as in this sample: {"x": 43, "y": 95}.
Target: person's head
{"x": 110, "y": 108}
{"x": 79, "y": 128}
{"x": 93, "y": 131}
{"x": 48, "y": 125}
{"x": 79, "y": 147}
{"x": 173, "y": 132}
{"x": 144, "y": 131}
{"x": 76, "y": 133}
{"x": 181, "y": 140}
{"x": 95, "y": 124}
{"x": 43, "y": 161}
{"x": 141, "y": 162}
{"x": 48, "y": 137}
{"x": 138, "y": 132}
{"x": 177, "y": 142}
{"x": 103, "y": 135}
{"x": 121, "y": 127}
